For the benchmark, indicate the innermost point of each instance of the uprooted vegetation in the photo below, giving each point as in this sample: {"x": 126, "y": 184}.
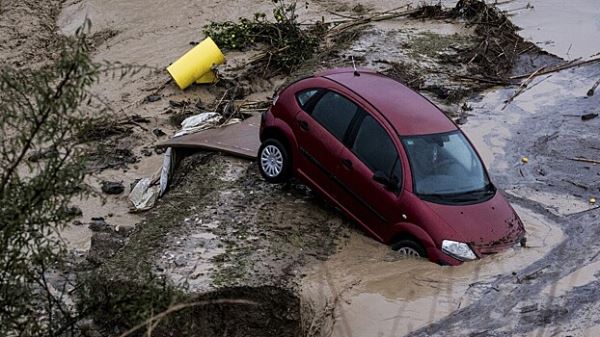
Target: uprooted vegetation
{"x": 497, "y": 45}
{"x": 287, "y": 44}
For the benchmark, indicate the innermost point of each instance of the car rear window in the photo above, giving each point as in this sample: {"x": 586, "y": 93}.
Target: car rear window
{"x": 375, "y": 148}
{"x": 304, "y": 96}
{"x": 335, "y": 113}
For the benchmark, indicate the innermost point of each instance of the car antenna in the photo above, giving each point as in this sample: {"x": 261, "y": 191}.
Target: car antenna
{"x": 356, "y": 73}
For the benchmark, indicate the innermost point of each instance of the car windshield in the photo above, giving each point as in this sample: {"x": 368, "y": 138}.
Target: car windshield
{"x": 445, "y": 167}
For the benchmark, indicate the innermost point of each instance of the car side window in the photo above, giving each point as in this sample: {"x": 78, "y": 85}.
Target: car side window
{"x": 335, "y": 113}
{"x": 304, "y": 96}
{"x": 375, "y": 148}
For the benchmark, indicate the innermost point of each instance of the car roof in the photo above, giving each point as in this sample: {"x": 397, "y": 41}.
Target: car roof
{"x": 409, "y": 112}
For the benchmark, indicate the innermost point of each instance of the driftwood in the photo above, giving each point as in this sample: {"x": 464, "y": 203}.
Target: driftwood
{"x": 350, "y": 24}
{"x": 522, "y": 87}
{"x": 570, "y": 64}
{"x": 585, "y": 160}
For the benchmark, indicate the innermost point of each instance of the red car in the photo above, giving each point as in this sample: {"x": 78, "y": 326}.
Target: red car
{"x": 391, "y": 161}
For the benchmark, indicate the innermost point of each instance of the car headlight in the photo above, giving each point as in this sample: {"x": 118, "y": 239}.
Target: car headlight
{"x": 458, "y": 250}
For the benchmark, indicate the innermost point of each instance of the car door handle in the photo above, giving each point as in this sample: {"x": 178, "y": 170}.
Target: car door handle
{"x": 303, "y": 125}
{"x": 347, "y": 164}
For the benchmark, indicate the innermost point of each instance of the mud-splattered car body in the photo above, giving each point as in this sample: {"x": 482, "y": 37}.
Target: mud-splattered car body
{"x": 391, "y": 161}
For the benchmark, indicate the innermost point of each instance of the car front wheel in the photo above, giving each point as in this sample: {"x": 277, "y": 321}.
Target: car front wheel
{"x": 409, "y": 248}
{"x": 274, "y": 162}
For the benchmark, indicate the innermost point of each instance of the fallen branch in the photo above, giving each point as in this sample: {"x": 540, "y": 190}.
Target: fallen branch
{"x": 585, "y": 160}
{"x": 498, "y": 80}
{"x": 584, "y": 211}
{"x": 580, "y": 185}
{"x": 522, "y": 87}
{"x": 387, "y": 15}
{"x": 571, "y": 64}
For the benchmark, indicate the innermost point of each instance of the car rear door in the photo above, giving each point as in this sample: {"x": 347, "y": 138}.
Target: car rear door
{"x": 320, "y": 128}
{"x": 370, "y": 150}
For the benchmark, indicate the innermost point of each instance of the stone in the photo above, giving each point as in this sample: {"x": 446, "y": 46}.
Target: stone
{"x": 112, "y": 187}
{"x": 99, "y": 225}
{"x": 153, "y": 98}
{"x": 158, "y": 132}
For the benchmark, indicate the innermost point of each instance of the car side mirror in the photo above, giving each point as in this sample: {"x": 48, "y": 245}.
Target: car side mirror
{"x": 383, "y": 179}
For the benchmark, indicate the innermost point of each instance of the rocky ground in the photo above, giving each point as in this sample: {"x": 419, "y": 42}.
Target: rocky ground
{"x": 222, "y": 231}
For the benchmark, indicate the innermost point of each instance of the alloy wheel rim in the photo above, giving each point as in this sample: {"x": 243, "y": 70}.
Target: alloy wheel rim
{"x": 271, "y": 160}
{"x": 408, "y": 252}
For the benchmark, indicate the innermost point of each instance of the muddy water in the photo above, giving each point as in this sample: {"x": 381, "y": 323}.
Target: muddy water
{"x": 491, "y": 130}
{"x": 568, "y": 29}
{"x": 578, "y": 278}
{"x": 384, "y": 294}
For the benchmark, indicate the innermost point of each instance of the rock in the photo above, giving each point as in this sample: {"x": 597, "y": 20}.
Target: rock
{"x": 99, "y": 225}
{"x": 153, "y": 98}
{"x": 139, "y": 119}
{"x": 103, "y": 247}
{"x": 73, "y": 211}
{"x": 159, "y": 150}
{"x": 123, "y": 231}
{"x": 77, "y": 223}
{"x": 146, "y": 152}
{"x": 158, "y": 132}
{"x": 177, "y": 104}
{"x": 112, "y": 187}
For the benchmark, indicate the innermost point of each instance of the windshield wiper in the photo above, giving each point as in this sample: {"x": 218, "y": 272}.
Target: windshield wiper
{"x": 473, "y": 195}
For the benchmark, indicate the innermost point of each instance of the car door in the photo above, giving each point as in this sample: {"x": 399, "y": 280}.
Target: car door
{"x": 320, "y": 129}
{"x": 371, "y": 151}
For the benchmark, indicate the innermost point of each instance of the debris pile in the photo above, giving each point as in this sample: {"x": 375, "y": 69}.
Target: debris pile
{"x": 287, "y": 45}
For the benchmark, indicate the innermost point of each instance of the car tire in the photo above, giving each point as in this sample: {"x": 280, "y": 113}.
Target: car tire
{"x": 274, "y": 161}
{"x": 409, "y": 248}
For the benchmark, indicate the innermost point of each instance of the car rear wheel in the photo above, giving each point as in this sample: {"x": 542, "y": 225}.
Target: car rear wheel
{"x": 274, "y": 162}
{"x": 409, "y": 248}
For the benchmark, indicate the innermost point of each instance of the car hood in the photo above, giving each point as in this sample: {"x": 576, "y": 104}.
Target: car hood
{"x": 488, "y": 227}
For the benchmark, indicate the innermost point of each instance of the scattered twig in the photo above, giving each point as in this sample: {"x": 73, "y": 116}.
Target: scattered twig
{"x": 580, "y": 185}
{"x": 585, "y": 160}
{"x": 387, "y": 15}
{"x": 591, "y": 91}
{"x": 157, "y": 318}
{"x": 584, "y": 211}
{"x": 522, "y": 87}
{"x": 595, "y": 256}
{"x": 344, "y": 16}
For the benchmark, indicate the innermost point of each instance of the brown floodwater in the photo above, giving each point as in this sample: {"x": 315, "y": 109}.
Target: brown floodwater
{"x": 381, "y": 293}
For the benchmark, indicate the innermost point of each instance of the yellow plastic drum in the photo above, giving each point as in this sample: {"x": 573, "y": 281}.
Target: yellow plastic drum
{"x": 196, "y": 63}
{"x": 208, "y": 78}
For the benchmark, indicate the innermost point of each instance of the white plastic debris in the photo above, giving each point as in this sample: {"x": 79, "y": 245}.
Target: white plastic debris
{"x": 165, "y": 172}
{"x": 198, "y": 122}
{"x": 144, "y": 194}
